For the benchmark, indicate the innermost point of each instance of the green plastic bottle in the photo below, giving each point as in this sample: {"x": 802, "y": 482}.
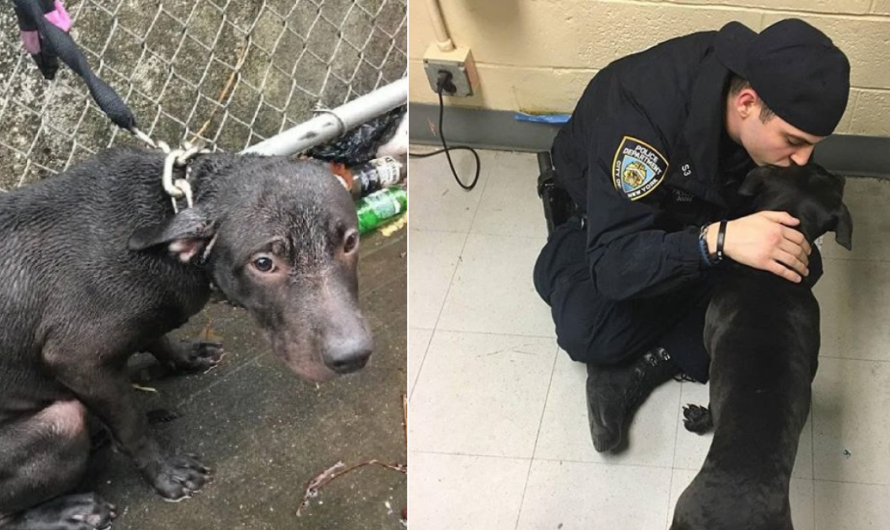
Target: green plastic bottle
{"x": 380, "y": 206}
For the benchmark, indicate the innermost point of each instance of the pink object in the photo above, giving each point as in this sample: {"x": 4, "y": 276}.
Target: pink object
{"x": 31, "y": 40}
{"x": 58, "y": 17}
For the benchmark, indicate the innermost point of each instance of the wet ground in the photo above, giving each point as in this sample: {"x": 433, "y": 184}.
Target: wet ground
{"x": 265, "y": 432}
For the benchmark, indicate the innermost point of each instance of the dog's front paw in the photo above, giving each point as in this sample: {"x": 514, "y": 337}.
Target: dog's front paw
{"x": 198, "y": 356}
{"x": 83, "y": 511}
{"x": 697, "y": 419}
{"x": 177, "y": 477}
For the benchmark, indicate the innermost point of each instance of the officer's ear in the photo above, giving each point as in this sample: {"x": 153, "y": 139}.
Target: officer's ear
{"x": 752, "y": 183}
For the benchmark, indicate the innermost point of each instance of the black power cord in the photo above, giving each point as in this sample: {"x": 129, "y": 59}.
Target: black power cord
{"x": 444, "y": 83}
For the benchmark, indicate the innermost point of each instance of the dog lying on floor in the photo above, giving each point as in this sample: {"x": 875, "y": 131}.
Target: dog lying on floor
{"x": 762, "y": 333}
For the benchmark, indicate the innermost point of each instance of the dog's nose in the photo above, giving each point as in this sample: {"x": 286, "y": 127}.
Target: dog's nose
{"x": 348, "y": 356}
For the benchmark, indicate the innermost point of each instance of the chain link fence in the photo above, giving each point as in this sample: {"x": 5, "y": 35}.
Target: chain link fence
{"x": 230, "y": 73}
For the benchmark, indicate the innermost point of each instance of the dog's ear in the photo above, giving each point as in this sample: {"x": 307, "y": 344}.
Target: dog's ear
{"x": 752, "y": 183}
{"x": 843, "y": 227}
{"x": 186, "y": 234}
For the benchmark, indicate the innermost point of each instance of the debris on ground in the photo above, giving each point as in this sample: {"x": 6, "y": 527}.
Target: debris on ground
{"x": 339, "y": 469}
{"x": 333, "y": 472}
{"x": 395, "y": 226}
{"x": 207, "y": 334}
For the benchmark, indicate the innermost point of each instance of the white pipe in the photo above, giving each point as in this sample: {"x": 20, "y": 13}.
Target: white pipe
{"x": 443, "y": 40}
{"x": 333, "y": 123}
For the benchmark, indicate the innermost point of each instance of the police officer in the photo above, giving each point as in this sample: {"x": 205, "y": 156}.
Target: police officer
{"x": 645, "y": 171}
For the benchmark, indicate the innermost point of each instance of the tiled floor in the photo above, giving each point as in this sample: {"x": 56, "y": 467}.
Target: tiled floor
{"x": 498, "y": 426}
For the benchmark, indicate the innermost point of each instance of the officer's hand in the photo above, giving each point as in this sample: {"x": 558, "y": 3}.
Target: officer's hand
{"x": 764, "y": 241}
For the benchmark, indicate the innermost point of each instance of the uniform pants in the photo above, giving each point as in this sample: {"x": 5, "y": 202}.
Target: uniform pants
{"x": 594, "y": 330}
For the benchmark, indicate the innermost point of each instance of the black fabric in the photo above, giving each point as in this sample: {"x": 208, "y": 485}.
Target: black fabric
{"x": 24, "y": 17}
{"x": 595, "y": 330}
{"x": 672, "y": 98}
{"x": 57, "y": 42}
{"x": 795, "y": 68}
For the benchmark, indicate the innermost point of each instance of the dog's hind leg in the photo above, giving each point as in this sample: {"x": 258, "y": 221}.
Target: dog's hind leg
{"x": 697, "y": 419}
{"x": 45, "y": 456}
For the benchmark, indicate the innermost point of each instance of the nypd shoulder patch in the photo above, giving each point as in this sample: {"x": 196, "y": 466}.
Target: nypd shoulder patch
{"x": 638, "y": 168}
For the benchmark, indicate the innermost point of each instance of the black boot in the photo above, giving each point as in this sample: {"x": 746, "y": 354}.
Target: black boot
{"x": 614, "y": 393}
{"x": 558, "y": 205}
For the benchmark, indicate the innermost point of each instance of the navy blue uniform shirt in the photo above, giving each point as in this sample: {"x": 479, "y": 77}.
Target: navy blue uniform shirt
{"x": 646, "y": 158}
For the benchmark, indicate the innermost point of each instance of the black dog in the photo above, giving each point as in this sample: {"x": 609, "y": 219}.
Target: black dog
{"x": 95, "y": 266}
{"x": 762, "y": 333}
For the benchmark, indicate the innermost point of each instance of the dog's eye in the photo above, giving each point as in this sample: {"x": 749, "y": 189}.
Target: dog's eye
{"x": 263, "y": 264}
{"x": 350, "y": 243}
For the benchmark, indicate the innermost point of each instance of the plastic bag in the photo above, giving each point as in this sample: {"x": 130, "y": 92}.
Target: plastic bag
{"x": 360, "y": 144}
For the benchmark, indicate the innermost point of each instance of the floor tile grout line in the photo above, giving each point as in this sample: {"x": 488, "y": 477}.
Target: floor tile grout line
{"x": 606, "y": 464}
{"x": 546, "y": 400}
{"x": 541, "y": 239}
{"x": 509, "y": 236}
{"x": 852, "y": 482}
{"x": 674, "y": 458}
{"x": 623, "y": 465}
{"x": 426, "y": 350}
{"x": 517, "y": 335}
{"x": 538, "y": 434}
{"x": 677, "y": 427}
{"x": 852, "y": 359}
{"x": 528, "y": 475}
{"x": 813, "y": 483}
{"x": 813, "y": 453}
{"x": 475, "y": 455}
{"x": 559, "y": 460}
{"x": 483, "y": 179}
{"x": 431, "y": 231}
{"x": 439, "y": 314}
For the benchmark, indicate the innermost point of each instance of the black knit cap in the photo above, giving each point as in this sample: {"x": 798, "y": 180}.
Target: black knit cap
{"x": 795, "y": 69}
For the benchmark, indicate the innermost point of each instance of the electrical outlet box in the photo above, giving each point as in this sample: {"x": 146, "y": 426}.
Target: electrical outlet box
{"x": 461, "y": 65}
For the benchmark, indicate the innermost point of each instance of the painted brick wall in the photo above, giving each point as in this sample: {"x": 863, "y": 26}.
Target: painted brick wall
{"x": 538, "y": 55}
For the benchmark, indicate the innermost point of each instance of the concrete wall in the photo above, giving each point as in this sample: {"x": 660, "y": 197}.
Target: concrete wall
{"x": 538, "y": 55}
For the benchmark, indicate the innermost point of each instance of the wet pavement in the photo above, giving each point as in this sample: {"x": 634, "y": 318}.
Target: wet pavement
{"x": 266, "y": 433}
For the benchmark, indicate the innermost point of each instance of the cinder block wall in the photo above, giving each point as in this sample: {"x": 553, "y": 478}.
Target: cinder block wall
{"x": 538, "y": 55}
